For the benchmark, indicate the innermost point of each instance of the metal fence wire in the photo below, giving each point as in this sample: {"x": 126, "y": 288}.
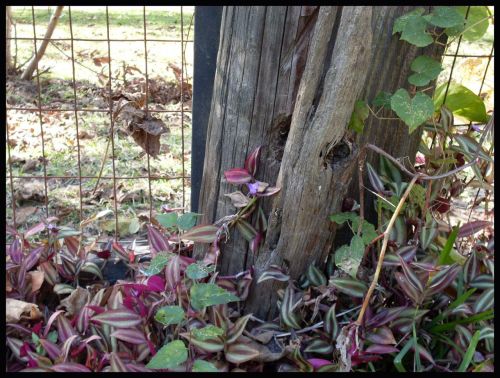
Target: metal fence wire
{"x": 15, "y": 181}
{"x": 453, "y": 52}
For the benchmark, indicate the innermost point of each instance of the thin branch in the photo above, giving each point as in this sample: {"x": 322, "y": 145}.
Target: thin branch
{"x": 384, "y": 248}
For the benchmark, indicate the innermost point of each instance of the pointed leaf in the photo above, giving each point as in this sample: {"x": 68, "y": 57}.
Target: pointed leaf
{"x": 252, "y": 161}
{"x": 471, "y": 228}
{"x": 349, "y": 286}
{"x": 237, "y": 329}
{"x": 132, "y": 336}
{"x": 240, "y": 353}
{"x": 238, "y": 199}
{"x": 121, "y": 318}
{"x": 206, "y": 233}
{"x": 237, "y": 176}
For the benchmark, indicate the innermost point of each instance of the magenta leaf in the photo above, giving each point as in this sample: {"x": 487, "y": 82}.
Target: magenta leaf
{"x": 156, "y": 283}
{"x": 318, "y": 362}
{"x": 237, "y": 176}
{"x": 252, "y": 161}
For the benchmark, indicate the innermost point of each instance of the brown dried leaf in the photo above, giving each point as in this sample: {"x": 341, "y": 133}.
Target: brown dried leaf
{"x": 75, "y": 301}
{"x": 15, "y": 309}
{"x": 37, "y": 278}
{"x": 100, "y": 60}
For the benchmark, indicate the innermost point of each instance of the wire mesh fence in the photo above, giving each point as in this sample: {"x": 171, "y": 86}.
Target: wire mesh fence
{"x": 158, "y": 114}
{"x": 88, "y": 114}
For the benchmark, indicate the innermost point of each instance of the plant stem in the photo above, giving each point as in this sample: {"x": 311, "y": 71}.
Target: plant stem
{"x": 384, "y": 247}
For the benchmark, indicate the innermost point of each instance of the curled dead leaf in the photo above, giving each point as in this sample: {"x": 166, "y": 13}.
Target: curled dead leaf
{"x": 75, "y": 301}
{"x": 15, "y": 309}
{"x": 37, "y": 277}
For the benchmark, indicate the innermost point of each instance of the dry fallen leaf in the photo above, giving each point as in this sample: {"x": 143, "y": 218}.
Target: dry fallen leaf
{"x": 75, "y": 301}
{"x": 14, "y": 309}
{"x": 37, "y": 278}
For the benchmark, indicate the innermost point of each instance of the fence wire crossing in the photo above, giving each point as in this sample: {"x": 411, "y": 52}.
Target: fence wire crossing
{"x": 77, "y": 111}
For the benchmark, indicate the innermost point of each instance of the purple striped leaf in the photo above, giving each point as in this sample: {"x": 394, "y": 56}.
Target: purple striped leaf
{"x": 121, "y": 318}
{"x": 16, "y": 252}
{"x": 173, "y": 272}
{"x": 32, "y": 258}
{"x": 237, "y": 176}
{"x": 442, "y": 279}
{"x": 157, "y": 241}
{"x": 35, "y": 229}
{"x": 205, "y": 233}
{"x": 246, "y": 230}
{"x": 411, "y": 277}
{"x": 382, "y": 335}
{"x": 209, "y": 345}
{"x": 471, "y": 228}
{"x": 424, "y": 353}
{"x": 70, "y": 367}
{"x": 237, "y": 329}
{"x": 485, "y": 301}
{"x": 381, "y": 349}
{"x": 132, "y": 336}
{"x": 117, "y": 364}
{"x": 240, "y": 353}
{"x": 138, "y": 368}
{"x": 67, "y": 345}
{"x": 407, "y": 287}
{"x": 52, "y": 349}
{"x": 64, "y": 328}
{"x": 374, "y": 179}
{"x": 274, "y": 272}
{"x": 349, "y": 286}
{"x": 50, "y": 321}
{"x": 252, "y": 161}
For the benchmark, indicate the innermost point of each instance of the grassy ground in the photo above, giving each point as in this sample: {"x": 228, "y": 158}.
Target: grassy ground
{"x": 128, "y": 68}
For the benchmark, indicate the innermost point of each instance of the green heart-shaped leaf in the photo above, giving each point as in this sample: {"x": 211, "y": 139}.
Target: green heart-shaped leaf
{"x": 414, "y": 31}
{"x": 426, "y": 69}
{"x": 170, "y": 315}
{"x": 445, "y": 17}
{"x": 169, "y": 356}
{"x": 413, "y": 111}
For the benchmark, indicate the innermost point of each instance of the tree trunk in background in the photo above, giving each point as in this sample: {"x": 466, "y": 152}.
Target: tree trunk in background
{"x": 351, "y": 54}
{"x": 32, "y": 65}
{"x": 8, "y": 34}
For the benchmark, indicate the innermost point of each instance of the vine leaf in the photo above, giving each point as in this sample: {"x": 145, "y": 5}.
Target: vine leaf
{"x": 426, "y": 69}
{"x": 209, "y": 294}
{"x": 383, "y": 99}
{"x": 445, "y": 17}
{"x": 170, "y": 315}
{"x": 400, "y": 23}
{"x": 462, "y": 102}
{"x": 412, "y": 27}
{"x": 475, "y": 26}
{"x": 358, "y": 117}
{"x": 169, "y": 356}
{"x": 413, "y": 111}
{"x": 348, "y": 257}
